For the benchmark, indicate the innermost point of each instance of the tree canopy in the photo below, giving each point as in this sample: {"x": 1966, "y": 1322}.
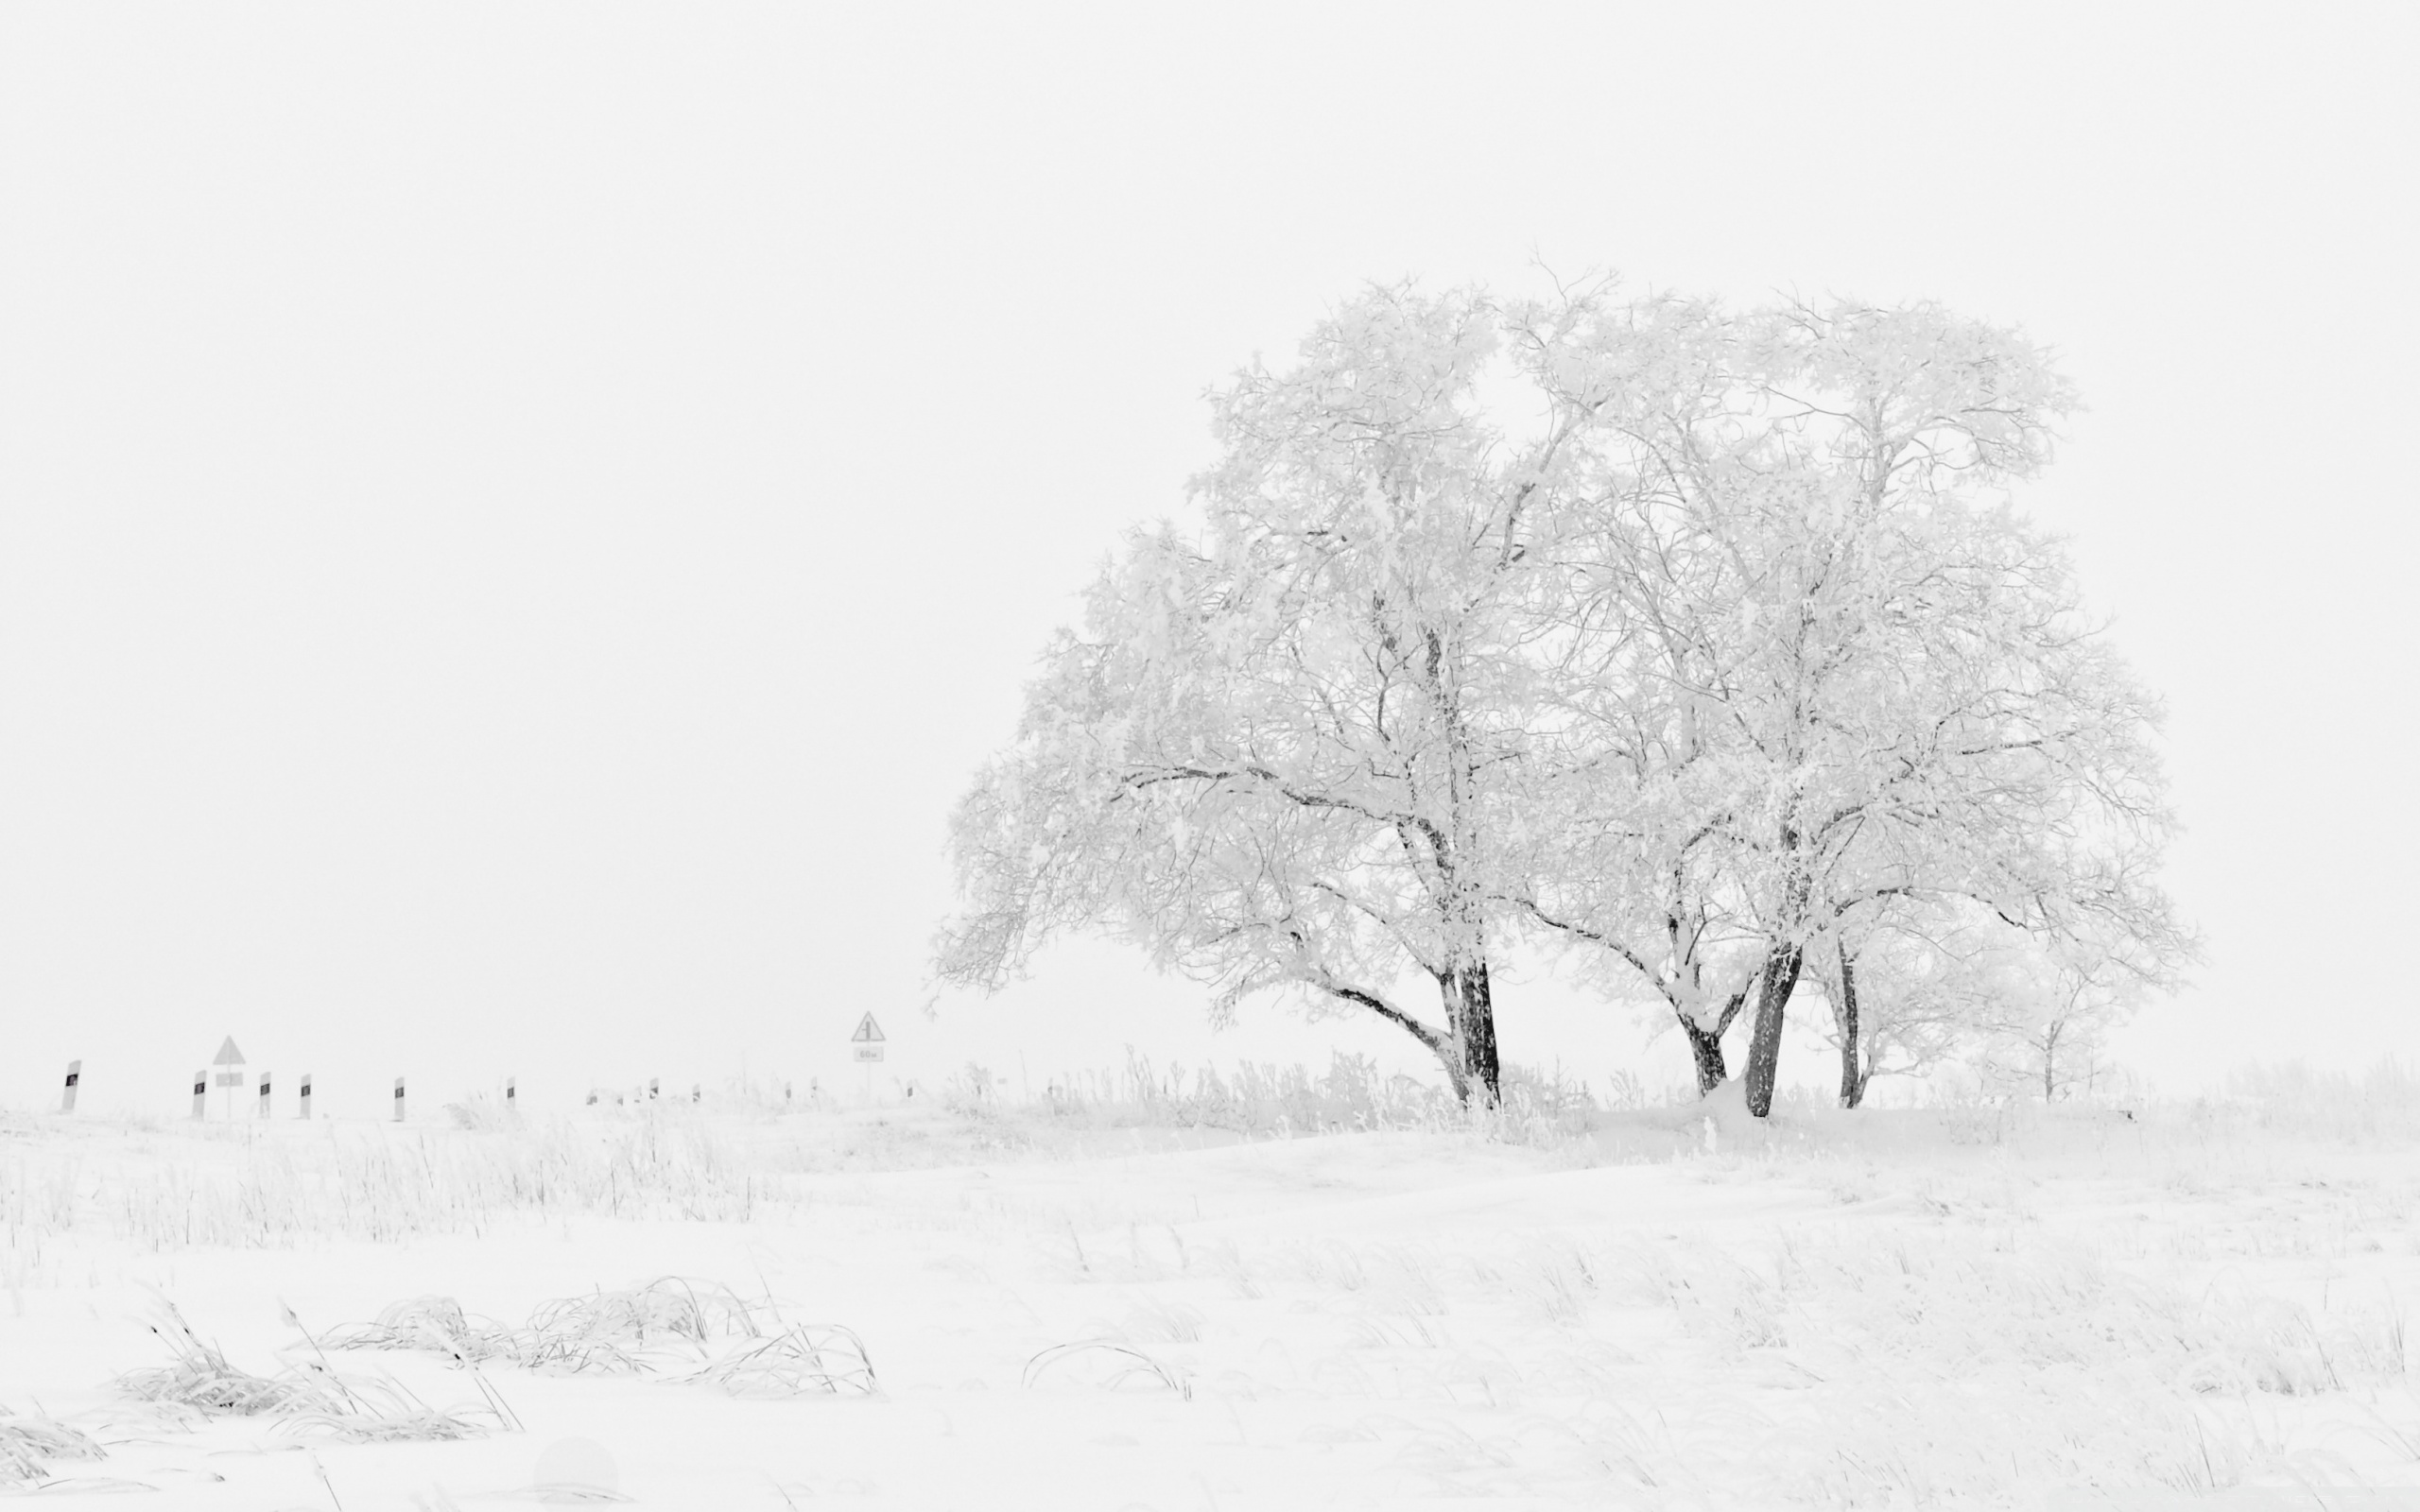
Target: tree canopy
{"x": 1696, "y": 641}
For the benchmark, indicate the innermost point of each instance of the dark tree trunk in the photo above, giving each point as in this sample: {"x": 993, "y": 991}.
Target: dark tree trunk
{"x": 1706, "y": 1045}
{"x": 1470, "y": 1016}
{"x": 1852, "y": 1063}
{"x": 1705, "y": 1048}
{"x": 1780, "y": 975}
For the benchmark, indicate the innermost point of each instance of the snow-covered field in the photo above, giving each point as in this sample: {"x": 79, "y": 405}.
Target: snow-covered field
{"x": 2199, "y": 1305}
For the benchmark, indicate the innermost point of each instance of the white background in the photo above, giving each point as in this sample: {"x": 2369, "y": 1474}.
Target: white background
{"x": 516, "y": 522}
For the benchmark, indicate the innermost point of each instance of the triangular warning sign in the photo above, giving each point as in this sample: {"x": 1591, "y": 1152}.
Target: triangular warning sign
{"x": 869, "y": 1032}
{"x": 228, "y": 1054}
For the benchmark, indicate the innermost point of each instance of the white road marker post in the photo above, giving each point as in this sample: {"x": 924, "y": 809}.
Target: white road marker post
{"x": 264, "y": 1109}
{"x": 511, "y": 1095}
{"x": 399, "y": 1099}
{"x": 67, "y": 1098}
{"x": 302, "y": 1094}
{"x": 200, "y": 1092}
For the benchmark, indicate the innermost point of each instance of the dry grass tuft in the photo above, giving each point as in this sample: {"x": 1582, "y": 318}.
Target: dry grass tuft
{"x": 201, "y": 1378}
{"x": 307, "y": 1396}
{"x": 27, "y": 1444}
{"x": 802, "y": 1361}
{"x": 619, "y": 1332}
{"x": 669, "y": 1322}
{"x": 432, "y": 1325}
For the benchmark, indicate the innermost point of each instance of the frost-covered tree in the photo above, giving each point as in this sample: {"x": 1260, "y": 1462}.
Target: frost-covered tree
{"x": 1281, "y": 750}
{"x": 1909, "y": 991}
{"x": 1842, "y": 671}
{"x": 1701, "y": 641}
{"x": 2047, "y": 1020}
{"x": 1633, "y": 859}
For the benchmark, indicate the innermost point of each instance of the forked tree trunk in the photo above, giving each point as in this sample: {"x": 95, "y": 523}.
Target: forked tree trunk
{"x": 1780, "y": 976}
{"x": 1852, "y": 1063}
{"x": 1705, "y": 1049}
{"x": 1706, "y": 1045}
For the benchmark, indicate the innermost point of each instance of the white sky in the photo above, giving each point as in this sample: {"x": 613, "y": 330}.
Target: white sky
{"x": 516, "y": 522}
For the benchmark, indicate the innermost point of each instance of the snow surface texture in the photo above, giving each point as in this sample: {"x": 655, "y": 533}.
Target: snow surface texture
{"x": 974, "y": 1307}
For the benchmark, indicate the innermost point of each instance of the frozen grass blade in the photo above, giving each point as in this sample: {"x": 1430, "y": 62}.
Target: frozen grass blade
{"x": 1117, "y": 1364}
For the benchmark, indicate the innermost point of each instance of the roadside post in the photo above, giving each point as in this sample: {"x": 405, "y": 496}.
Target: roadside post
{"x": 67, "y": 1098}
{"x": 302, "y": 1094}
{"x": 868, "y": 1042}
{"x": 200, "y": 1092}
{"x": 399, "y": 1099}
{"x": 263, "y": 1110}
{"x": 231, "y": 1072}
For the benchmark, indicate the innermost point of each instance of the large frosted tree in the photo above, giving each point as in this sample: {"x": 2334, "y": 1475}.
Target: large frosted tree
{"x": 1281, "y": 751}
{"x": 1632, "y": 855}
{"x": 1703, "y": 641}
{"x": 1833, "y": 670}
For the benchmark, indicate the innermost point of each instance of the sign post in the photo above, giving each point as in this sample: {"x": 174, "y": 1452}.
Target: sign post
{"x": 231, "y": 1072}
{"x": 67, "y": 1098}
{"x": 867, "y": 1043}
